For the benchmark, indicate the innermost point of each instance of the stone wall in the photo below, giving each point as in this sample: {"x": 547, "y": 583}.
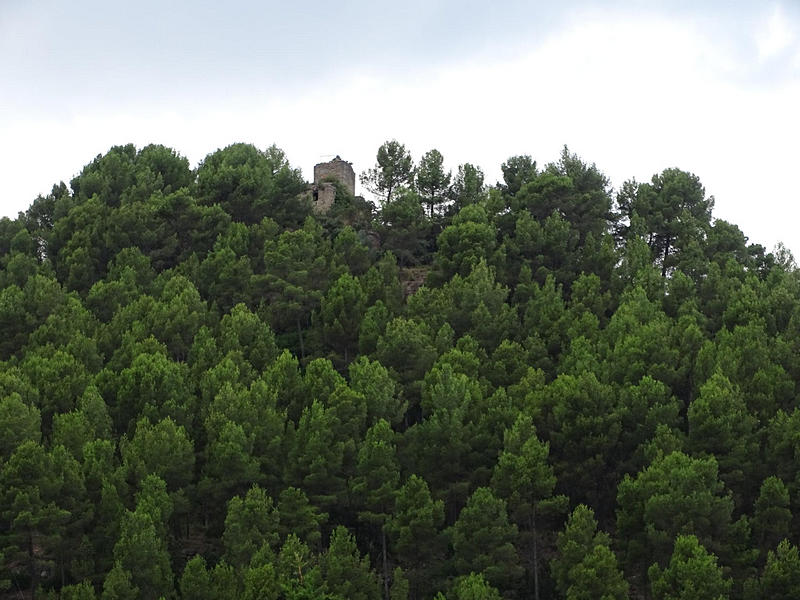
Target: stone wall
{"x": 339, "y": 169}
{"x": 323, "y": 195}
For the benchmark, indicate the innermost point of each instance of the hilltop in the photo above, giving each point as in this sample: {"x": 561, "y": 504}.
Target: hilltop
{"x": 212, "y": 387}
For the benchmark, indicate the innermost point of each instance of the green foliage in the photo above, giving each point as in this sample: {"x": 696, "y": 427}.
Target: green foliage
{"x": 143, "y": 554}
{"x": 406, "y": 349}
{"x": 261, "y": 583}
{"x": 468, "y": 186}
{"x": 243, "y": 331}
{"x": 781, "y": 577}
{"x": 416, "y": 516}
{"x": 720, "y": 425}
{"x": 474, "y": 305}
{"x": 579, "y": 417}
{"x": 517, "y": 171}
{"x": 675, "y": 495}
{"x": 692, "y": 573}
{"x": 772, "y": 517}
{"x": 297, "y": 516}
{"x": 163, "y": 449}
{"x": 118, "y": 584}
{"x": 483, "y": 541}
{"x": 463, "y": 244}
{"x": 195, "y": 582}
{"x": 298, "y": 271}
{"x": 377, "y": 473}
{"x": 59, "y": 377}
{"x": 524, "y": 477}
{"x": 18, "y": 423}
{"x": 195, "y": 365}
{"x": 251, "y": 522}
{"x": 78, "y": 591}
{"x": 152, "y": 499}
{"x": 371, "y": 379}
{"x": 404, "y": 230}
{"x": 783, "y": 451}
{"x": 346, "y": 573}
{"x": 250, "y": 184}
{"x": 152, "y": 386}
{"x": 316, "y": 458}
{"x": 585, "y": 566}
{"x": 474, "y": 587}
{"x": 393, "y": 168}
{"x": 349, "y": 248}
{"x": 341, "y": 311}
{"x": 230, "y": 466}
{"x": 675, "y": 214}
{"x": 432, "y": 182}
{"x": 399, "y": 590}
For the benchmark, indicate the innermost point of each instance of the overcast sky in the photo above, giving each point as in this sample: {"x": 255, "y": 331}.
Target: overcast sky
{"x": 635, "y": 87}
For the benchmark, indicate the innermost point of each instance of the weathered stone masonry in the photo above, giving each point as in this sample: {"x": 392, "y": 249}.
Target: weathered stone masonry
{"x": 323, "y": 192}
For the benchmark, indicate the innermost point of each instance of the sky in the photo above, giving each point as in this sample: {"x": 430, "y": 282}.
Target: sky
{"x": 634, "y": 87}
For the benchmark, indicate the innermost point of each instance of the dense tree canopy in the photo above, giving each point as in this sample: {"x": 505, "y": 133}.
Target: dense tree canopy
{"x": 541, "y": 388}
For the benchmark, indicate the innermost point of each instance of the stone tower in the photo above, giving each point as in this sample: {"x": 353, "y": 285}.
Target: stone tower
{"x": 323, "y": 191}
{"x": 340, "y": 170}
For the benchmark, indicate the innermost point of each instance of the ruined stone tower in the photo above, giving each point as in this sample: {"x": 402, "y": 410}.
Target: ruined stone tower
{"x": 340, "y": 170}
{"x": 323, "y": 191}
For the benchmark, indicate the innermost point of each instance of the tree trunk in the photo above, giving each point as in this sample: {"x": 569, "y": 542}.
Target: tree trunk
{"x": 300, "y": 336}
{"x": 33, "y": 571}
{"x": 385, "y": 565}
{"x": 535, "y": 555}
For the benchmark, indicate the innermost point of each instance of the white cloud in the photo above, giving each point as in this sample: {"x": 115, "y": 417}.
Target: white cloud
{"x": 635, "y": 97}
{"x": 774, "y": 35}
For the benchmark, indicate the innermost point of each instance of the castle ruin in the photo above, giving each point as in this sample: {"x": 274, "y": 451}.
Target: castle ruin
{"x": 323, "y": 191}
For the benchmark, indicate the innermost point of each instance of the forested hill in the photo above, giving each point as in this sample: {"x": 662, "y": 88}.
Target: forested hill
{"x": 208, "y": 391}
